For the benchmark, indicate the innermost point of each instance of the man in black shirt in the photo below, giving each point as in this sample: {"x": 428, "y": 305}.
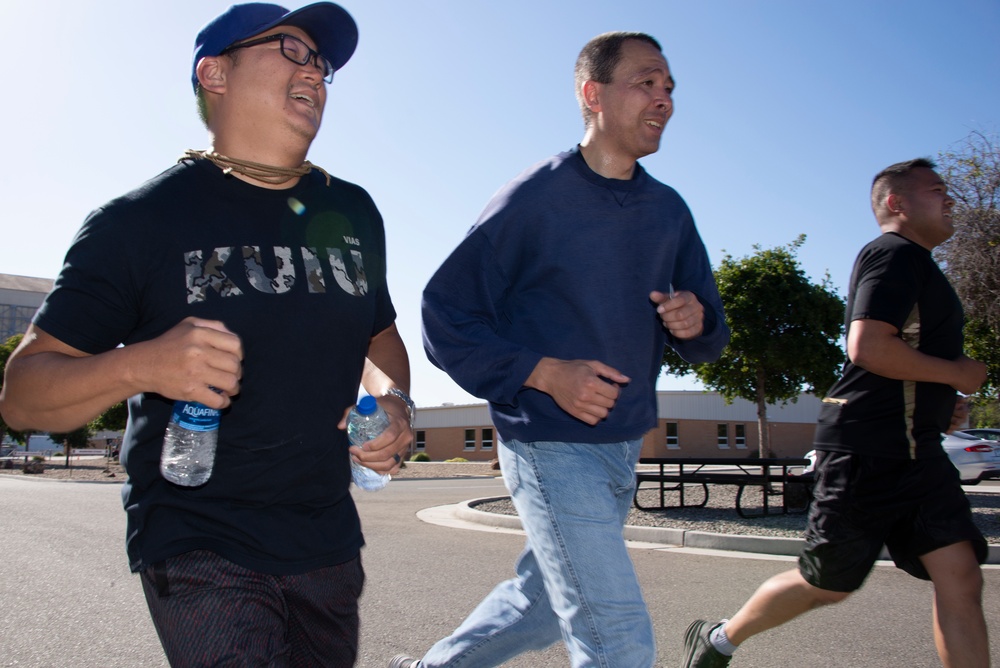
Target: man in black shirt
{"x": 248, "y": 280}
{"x": 882, "y": 475}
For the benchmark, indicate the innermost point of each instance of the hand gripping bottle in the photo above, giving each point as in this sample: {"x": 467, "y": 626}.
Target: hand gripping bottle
{"x": 364, "y": 422}
{"x": 189, "y": 444}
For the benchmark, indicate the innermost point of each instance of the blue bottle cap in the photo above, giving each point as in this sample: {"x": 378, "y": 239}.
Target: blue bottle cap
{"x": 367, "y": 405}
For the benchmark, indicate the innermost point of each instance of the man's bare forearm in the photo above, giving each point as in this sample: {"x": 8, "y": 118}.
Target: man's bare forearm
{"x": 874, "y": 346}
{"x": 58, "y": 388}
{"x": 52, "y": 386}
{"x": 388, "y": 364}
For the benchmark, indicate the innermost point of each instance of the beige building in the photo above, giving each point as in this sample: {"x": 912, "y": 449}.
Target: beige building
{"x": 690, "y": 424}
{"x": 20, "y": 297}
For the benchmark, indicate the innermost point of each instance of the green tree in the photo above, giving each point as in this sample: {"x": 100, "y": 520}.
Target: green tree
{"x": 786, "y": 333}
{"x": 971, "y": 258}
{"x": 6, "y": 350}
{"x": 113, "y": 419}
{"x": 78, "y": 438}
{"x": 984, "y": 414}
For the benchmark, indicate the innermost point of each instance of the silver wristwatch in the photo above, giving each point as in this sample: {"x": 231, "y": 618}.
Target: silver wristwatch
{"x": 410, "y": 406}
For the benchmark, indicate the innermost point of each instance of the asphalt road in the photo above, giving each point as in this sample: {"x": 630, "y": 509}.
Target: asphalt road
{"x": 67, "y": 598}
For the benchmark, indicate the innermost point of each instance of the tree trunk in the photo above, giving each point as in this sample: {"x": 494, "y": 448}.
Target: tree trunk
{"x": 763, "y": 432}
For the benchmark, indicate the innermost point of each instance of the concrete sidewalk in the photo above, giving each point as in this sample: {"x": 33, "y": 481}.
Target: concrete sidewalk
{"x": 464, "y": 515}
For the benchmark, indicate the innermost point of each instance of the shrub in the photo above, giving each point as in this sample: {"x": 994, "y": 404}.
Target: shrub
{"x": 455, "y": 460}
{"x": 420, "y": 457}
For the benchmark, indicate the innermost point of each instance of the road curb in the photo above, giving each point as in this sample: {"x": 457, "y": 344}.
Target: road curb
{"x": 771, "y": 545}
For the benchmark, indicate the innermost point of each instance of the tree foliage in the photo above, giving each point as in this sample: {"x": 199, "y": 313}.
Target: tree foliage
{"x": 971, "y": 258}
{"x": 113, "y": 419}
{"x": 786, "y": 333}
{"x": 78, "y": 438}
{"x": 6, "y": 350}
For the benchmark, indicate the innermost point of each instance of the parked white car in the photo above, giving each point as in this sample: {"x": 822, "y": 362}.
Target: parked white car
{"x": 987, "y": 434}
{"x": 976, "y": 459}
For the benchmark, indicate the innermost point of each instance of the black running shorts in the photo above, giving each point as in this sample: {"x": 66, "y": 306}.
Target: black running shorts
{"x": 861, "y": 503}
{"x": 211, "y": 612}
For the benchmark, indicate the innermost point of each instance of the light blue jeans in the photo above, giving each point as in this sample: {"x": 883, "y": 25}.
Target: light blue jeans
{"x": 575, "y": 580}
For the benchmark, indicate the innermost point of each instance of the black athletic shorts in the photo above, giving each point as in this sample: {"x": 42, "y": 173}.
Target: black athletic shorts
{"x": 913, "y": 507}
{"x": 211, "y": 612}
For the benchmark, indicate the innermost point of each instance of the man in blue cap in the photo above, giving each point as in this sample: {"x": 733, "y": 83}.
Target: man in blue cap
{"x": 247, "y": 280}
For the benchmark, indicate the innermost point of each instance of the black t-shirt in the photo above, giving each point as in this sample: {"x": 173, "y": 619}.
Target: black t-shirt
{"x": 895, "y": 281}
{"x": 299, "y": 275}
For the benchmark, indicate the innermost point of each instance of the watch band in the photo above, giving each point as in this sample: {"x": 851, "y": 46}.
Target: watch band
{"x": 405, "y": 398}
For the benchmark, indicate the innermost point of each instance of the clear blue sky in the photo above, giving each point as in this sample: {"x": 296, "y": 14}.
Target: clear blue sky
{"x": 785, "y": 109}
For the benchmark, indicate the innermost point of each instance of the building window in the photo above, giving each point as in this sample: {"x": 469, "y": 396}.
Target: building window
{"x": 14, "y": 319}
{"x": 470, "y": 439}
{"x": 672, "y": 441}
{"x": 740, "y": 441}
{"x": 421, "y": 439}
{"x": 723, "y": 436}
{"x": 487, "y": 439}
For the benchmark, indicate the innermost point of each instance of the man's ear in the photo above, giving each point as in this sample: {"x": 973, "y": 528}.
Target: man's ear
{"x": 211, "y": 74}
{"x": 591, "y": 95}
{"x": 894, "y": 203}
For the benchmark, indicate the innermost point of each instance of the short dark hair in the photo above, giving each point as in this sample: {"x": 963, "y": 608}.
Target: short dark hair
{"x": 896, "y": 178}
{"x": 598, "y": 60}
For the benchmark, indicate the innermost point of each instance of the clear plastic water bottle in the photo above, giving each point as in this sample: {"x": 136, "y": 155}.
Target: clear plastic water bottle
{"x": 189, "y": 444}
{"x": 364, "y": 422}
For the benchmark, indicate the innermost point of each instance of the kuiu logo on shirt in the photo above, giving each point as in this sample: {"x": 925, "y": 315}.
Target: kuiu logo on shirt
{"x": 212, "y": 273}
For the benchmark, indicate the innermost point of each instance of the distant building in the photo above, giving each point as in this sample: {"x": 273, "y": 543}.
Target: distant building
{"x": 690, "y": 423}
{"x": 20, "y": 297}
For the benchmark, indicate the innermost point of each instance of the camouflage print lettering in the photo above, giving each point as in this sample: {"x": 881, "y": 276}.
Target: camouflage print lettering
{"x": 254, "y": 268}
{"x": 359, "y": 286}
{"x": 314, "y": 271}
{"x": 204, "y": 275}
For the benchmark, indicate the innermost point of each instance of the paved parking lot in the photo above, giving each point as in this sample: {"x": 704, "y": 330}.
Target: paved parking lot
{"x": 68, "y": 600}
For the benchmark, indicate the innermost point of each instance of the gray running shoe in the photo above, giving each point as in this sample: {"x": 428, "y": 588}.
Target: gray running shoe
{"x": 402, "y": 661}
{"x": 698, "y": 650}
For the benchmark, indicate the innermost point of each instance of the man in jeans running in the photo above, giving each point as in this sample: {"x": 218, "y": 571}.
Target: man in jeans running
{"x": 556, "y": 308}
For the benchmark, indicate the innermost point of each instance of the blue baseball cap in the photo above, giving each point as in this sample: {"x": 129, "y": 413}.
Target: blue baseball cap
{"x": 328, "y": 24}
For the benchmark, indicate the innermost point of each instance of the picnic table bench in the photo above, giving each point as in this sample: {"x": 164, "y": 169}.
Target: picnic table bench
{"x": 674, "y": 474}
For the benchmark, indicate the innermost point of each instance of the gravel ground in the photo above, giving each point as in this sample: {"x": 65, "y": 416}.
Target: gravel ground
{"x": 88, "y": 469}
{"x": 718, "y": 516}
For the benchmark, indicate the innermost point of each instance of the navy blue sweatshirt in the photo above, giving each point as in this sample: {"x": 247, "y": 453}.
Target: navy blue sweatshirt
{"x": 561, "y": 264}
